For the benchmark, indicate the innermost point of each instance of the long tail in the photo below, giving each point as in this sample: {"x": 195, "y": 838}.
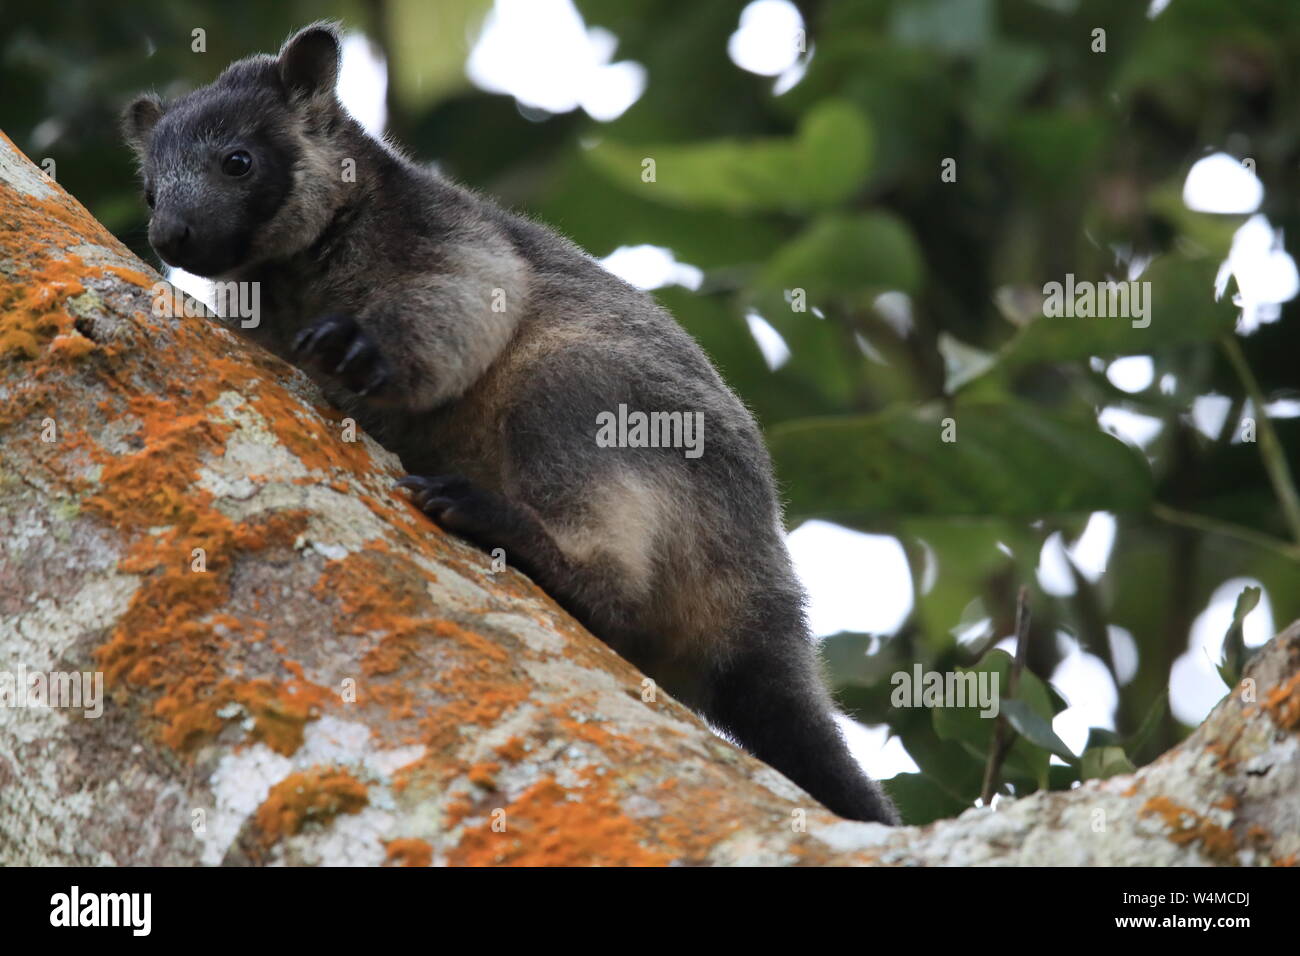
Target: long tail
{"x": 772, "y": 701}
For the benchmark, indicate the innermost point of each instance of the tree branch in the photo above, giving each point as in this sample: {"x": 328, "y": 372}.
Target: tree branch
{"x": 300, "y": 668}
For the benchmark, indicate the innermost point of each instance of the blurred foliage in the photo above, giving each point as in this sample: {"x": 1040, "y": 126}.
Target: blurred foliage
{"x": 1067, "y": 161}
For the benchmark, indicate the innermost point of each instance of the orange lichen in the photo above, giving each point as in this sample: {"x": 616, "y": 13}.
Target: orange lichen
{"x": 483, "y": 704}
{"x": 1283, "y": 703}
{"x": 408, "y": 851}
{"x": 690, "y": 836}
{"x": 134, "y": 276}
{"x": 378, "y": 593}
{"x": 549, "y": 825}
{"x": 315, "y": 795}
{"x": 71, "y": 346}
{"x": 369, "y": 595}
{"x": 1222, "y": 751}
{"x": 674, "y": 832}
{"x": 32, "y": 314}
{"x": 280, "y": 711}
{"x": 173, "y": 642}
{"x": 1187, "y": 827}
{"x": 169, "y": 636}
{"x": 484, "y": 775}
{"x": 512, "y": 750}
{"x": 593, "y": 732}
{"x": 375, "y": 593}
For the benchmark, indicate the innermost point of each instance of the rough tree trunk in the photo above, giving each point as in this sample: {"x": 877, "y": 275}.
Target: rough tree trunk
{"x": 344, "y": 683}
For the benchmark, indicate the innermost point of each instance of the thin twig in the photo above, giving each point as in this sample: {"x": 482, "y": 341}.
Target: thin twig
{"x": 1226, "y": 529}
{"x": 1270, "y": 449}
{"x": 1002, "y": 736}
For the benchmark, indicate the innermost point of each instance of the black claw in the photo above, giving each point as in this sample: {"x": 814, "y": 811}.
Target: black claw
{"x": 431, "y": 481}
{"x": 302, "y": 338}
{"x": 338, "y": 343}
{"x": 458, "y": 506}
{"x": 435, "y": 495}
{"x": 377, "y": 381}
{"x": 420, "y": 489}
{"x": 438, "y": 506}
{"x": 359, "y": 347}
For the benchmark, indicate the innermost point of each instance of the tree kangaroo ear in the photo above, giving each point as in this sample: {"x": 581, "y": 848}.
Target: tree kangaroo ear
{"x": 139, "y": 119}
{"x": 309, "y": 60}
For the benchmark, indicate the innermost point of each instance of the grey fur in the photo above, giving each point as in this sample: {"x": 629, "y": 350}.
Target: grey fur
{"x": 678, "y": 563}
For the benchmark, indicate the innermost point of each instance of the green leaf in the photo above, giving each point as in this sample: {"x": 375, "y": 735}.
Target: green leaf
{"x": 1006, "y": 459}
{"x": 962, "y": 363}
{"x": 1054, "y": 151}
{"x": 422, "y": 72}
{"x": 1182, "y": 311}
{"x": 825, "y": 163}
{"x": 1027, "y": 761}
{"x": 1101, "y": 737}
{"x": 1035, "y": 728}
{"x": 1212, "y": 232}
{"x": 1058, "y": 701}
{"x": 1234, "y": 643}
{"x": 801, "y": 387}
{"x": 948, "y": 26}
{"x": 600, "y": 217}
{"x": 1062, "y": 776}
{"x": 855, "y": 659}
{"x": 711, "y": 321}
{"x": 957, "y": 559}
{"x": 954, "y": 767}
{"x": 1098, "y": 763}
{"x": 1005, "y": 72}
{"x": 1155, "y": 713}
{"x": 840, "y": 257}
{"x": 920, "y": 800}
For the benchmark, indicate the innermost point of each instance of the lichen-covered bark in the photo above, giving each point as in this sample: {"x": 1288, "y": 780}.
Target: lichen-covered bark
{"x": 337, "y": 681}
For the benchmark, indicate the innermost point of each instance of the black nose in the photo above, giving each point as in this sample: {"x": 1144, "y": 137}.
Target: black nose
{"x": 169, "y": 234}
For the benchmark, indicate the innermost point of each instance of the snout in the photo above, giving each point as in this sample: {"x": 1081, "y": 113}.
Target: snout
{"x": 171, "y": 235}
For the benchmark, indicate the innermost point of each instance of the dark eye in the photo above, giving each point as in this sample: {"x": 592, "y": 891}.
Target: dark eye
{"x": 148, "y": 197}
{"x": 237, "y": 163}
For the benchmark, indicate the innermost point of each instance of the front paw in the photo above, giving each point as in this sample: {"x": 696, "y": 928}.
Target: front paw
{"x": 459, "y": 507}
{"x": 344, "y": 350}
